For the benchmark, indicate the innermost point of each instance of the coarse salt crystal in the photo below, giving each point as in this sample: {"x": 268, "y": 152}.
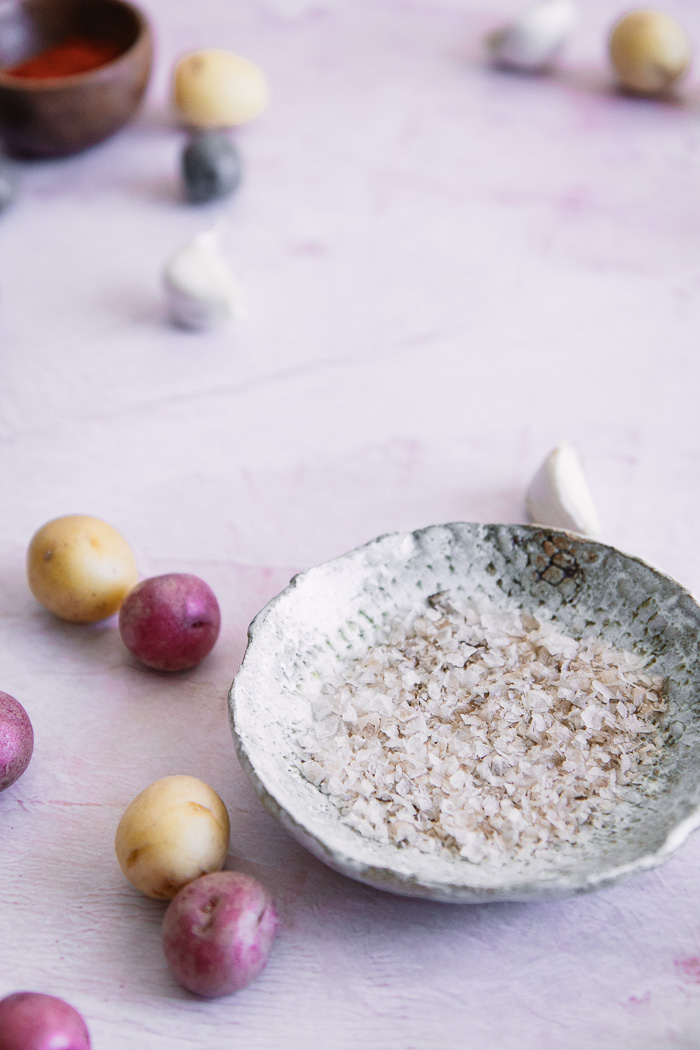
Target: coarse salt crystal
{"x": 484, "y": 732}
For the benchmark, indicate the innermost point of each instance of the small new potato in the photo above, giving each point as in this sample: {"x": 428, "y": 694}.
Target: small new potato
{"x": 80, "y": 568}
{"x": 174, "y": 831}
{"x": 34, "y": 1021}
{"x": 218, "y": 933}
{"x": 217, "y": 89}
{"x": 170, "y": 622}
{"x": 16, "y": 740}
{"x": 649, "y": 51}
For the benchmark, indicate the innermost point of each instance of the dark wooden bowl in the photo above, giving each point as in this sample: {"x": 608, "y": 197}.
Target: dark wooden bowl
{"x": 52, "y": 117}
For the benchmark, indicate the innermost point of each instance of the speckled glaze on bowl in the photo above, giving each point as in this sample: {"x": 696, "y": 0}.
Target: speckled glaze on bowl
{"x": 332, "y": 613}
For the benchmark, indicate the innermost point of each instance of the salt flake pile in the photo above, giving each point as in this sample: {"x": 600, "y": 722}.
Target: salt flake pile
{"x": 485, "y": 732}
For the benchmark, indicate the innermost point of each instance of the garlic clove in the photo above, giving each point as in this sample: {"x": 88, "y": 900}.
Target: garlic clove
{"x": 532, "y": 40}
{"x": 201, "y": 290}
{"x": 559, "y": 495}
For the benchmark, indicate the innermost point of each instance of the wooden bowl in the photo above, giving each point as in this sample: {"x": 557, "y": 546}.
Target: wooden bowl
{"x": 58, "y": 115}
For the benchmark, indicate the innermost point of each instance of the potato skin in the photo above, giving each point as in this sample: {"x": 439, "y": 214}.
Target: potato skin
{"x": 175, "y": 830}
{"x": 218, "y": 932}
{"x": 16, "y": 740}
{"x": 170, "y": 622}
{"x": 80, "y": 568}
{"x": 35, "y": 1021}
{"x": 215, "y": 88}
{"x": 649, "y": 51}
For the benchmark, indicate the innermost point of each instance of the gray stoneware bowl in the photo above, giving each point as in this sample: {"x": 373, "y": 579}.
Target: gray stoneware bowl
{"x": 332, "y": 613}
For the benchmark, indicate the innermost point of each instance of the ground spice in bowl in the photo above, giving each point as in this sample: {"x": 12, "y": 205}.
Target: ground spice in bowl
{"x": 76, "y": 54}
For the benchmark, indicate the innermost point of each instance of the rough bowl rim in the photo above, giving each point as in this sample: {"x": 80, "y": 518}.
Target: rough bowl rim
{"x": 396, "y": 882}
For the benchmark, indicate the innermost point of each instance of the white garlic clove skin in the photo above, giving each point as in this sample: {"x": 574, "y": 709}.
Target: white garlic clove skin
{"x": 201, "y": 290}
{"x": 559, "y": 495}
{"x": 532, "y": 40}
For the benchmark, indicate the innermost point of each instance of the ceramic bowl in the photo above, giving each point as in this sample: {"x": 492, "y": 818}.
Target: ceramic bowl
{"x": 52, "y": 117}
{"x": 329, "y": 616}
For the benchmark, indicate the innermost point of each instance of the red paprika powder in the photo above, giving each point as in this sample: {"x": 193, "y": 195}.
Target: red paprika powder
{"x": 76, "y": 54}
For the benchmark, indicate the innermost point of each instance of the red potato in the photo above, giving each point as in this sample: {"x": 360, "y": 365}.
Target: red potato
{"x": 170, "y": 622}
{"x": 218, "y": 932}
{"x": 34, "y": 1021}
{"x": 16, "y": 740}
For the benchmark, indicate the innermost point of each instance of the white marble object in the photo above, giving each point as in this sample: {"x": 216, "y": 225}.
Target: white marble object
{"x": 534, "y": 38}
{"x": 202, "y": 292}
{"x": 559, "y": 495}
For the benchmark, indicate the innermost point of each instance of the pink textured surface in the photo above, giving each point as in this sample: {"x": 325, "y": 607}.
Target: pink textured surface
{"x": 448, "y": 270}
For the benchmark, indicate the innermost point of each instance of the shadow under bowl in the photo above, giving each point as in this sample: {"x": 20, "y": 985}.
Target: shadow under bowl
{"x": 53, "y": 116}
{"x": 331, "y": 615}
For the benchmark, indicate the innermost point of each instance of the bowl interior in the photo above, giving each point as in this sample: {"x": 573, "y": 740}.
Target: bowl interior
{"x": 331, "y": 614}
{"x": 28, "y": 27}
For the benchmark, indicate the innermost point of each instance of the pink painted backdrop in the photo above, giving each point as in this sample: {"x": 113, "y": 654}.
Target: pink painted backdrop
{"x": 447, "y": 271}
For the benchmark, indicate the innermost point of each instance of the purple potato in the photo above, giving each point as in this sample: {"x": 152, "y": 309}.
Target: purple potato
{"x": 170, "y": 622}
{"x": 33, "y": 1021}
{"x": 218, "y": 932}
{"x": 16, "y": 740}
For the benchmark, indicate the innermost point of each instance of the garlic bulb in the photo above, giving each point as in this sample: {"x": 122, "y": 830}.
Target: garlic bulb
{"x": 559, "y": 495}
{"x": 533, "y": 39}
{"x": 202, "y": 292}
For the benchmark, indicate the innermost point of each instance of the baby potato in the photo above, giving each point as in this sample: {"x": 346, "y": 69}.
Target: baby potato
{"x": 36, "y": 1021}
{"x": 174, "y": 831}
{"x": 649, "y": 51}
{"x": 170, "y": 622}
{"x": 80, "y": 568}
{"x": 217, "y": 89}
{"x": 16, "y": 741}
{"x": 218, "y": 932}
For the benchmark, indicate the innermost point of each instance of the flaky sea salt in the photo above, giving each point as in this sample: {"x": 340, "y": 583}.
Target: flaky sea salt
{"x": 484, "y": 731}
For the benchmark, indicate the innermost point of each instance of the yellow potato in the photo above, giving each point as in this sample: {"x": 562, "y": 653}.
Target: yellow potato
{"x": 649, "y": 51}
{"x": 174, "y": 831}
{"x": 80, "y": 568}
{"x": 217, "y": 89}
